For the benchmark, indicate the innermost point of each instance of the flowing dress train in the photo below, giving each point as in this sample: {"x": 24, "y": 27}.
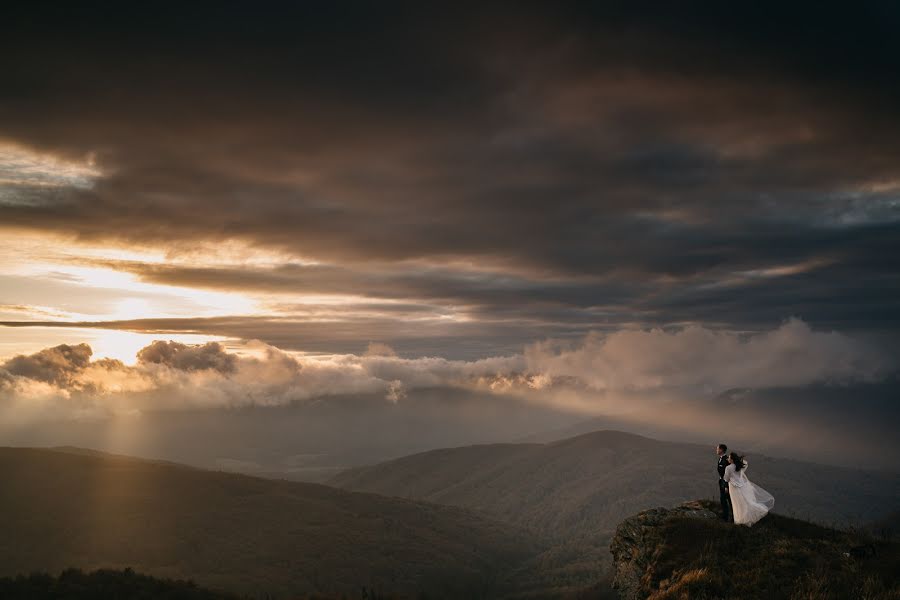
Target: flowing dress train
{"x": 749, "y": 502}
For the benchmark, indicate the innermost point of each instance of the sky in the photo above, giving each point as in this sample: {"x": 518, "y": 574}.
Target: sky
{"x": 234, "y": 204}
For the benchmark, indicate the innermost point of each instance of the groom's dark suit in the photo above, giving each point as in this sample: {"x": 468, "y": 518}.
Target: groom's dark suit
{"x": 724, "y": 498}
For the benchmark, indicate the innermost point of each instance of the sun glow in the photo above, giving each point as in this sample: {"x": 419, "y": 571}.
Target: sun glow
{"x": 131, "y": 298}
{"x": 124, "y": 345}
{"x": 105, "y": 343}
{"x": 131, "y": 308}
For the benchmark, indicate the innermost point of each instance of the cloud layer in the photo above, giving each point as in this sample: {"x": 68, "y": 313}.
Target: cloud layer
{"x": 62, "y": 382}
{"x": 697, "y": 358}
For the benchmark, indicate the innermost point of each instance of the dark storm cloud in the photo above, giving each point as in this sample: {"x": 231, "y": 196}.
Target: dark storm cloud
{"x": 614, "y": 163}
{"x": 456, "y": 286}
{"x": 836, "y": 277}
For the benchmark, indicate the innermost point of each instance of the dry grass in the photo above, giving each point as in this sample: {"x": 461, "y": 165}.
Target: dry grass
{"x": 778, "y": 558}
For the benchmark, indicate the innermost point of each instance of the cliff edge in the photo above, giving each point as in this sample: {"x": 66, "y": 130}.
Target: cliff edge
{"x": 687, "y": 552}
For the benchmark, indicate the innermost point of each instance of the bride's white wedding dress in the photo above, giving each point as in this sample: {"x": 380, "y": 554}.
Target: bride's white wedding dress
{"x": 749, "y": 502}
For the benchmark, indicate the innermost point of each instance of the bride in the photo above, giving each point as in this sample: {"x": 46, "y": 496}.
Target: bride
{"x": 749, "y": 502}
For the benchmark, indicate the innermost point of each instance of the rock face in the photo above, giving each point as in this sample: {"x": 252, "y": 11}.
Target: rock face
{"x": 689, "y": 553}
{"x": 636, "y": 540}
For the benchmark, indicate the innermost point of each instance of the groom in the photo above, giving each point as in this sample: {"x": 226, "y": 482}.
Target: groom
{"x": 724, "y": 498}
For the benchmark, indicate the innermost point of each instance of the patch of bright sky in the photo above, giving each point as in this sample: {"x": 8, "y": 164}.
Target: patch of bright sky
{"x": 19, "y": 247}
{"x": 21, "y": 167}
{"x": 105, "y": 343}
{"x": 46, "y": 278}
{"x": 104, "y": 294}
{"x": 45, "y": 272}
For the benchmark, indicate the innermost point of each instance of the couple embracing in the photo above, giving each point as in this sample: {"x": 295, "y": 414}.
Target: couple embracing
{"x": 743, "y": 502}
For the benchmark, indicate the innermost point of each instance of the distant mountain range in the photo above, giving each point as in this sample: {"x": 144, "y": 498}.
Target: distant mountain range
{"x": 590, "y": 482}
{"x": 511, "y": 520}
{"x": 74, "y": 508}
{"x": 851, "y": 425}
{"x": 303, "y": 441}
{"x": 846, "y": 425}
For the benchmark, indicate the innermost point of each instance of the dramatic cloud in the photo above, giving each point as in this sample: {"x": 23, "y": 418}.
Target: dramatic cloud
{"x": 171, "y": 375}
{"x": 703, "y": 359}
{"x": 337, "y": 210}
{"x": 568, "y": 166}
{"x": 211, "y": 355}
{"x": 395, "y": 196}
{"x": 53, "y": 365}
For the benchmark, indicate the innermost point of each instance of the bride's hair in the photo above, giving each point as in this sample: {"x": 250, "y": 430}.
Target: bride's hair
{"x": 738, "y": 461}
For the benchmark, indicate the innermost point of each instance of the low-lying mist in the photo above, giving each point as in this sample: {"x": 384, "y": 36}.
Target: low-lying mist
{"x": 848, "y": 426}
{"x": 816, "y": 396}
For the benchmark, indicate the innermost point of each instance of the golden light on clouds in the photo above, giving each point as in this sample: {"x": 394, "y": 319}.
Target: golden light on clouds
{"x": 56, "y": 283}
{"x": 105, "y": 343}
{"x": 595, "y": 207}
{"x": 45, "y": 279}
{"x": 124, "y": 345}
{"x": 20, "y": 166}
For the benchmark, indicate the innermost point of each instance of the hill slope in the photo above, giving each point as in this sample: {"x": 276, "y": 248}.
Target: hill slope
{"x": 590, "y": 482}
{"x": 688, "y": 553}
{"x": 575, "y": 491}
{"x": 239, "y": 533}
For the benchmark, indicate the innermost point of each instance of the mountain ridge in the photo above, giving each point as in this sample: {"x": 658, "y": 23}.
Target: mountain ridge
{"x": 611, "y": 473}
{"x": 240, "y": 533}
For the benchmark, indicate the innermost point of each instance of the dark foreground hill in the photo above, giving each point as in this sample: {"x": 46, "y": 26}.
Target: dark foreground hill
{"x": 102, "y": 584}
{"x": 688, "y": 553}
{"x": 239, "y": 533}
{"x": 126, "y": 584}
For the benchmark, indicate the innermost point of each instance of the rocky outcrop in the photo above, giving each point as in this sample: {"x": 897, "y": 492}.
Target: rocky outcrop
{"x": 689, "y": 553}
{"x": 636, "y": 542}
